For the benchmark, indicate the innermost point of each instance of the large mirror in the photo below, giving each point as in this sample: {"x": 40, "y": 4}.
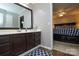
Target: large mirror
{"x": 14, "y": 15}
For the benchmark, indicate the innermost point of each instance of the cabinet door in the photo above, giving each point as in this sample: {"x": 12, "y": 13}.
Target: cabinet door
{"x": 37, "y": 38}
{"x": 19, "y": 44}
{"x": 30, "y": 40}
{"x": 4, "y": 46}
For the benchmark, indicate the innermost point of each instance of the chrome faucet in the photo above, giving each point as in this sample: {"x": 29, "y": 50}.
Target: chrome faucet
{"x": 26, "y": 29}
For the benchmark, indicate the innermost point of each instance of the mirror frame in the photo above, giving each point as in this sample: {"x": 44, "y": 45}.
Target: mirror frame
{"x": 31, "y": 17}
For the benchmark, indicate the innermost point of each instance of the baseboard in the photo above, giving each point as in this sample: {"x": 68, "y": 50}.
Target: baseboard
{"x": 46, "y": 47}
{"x": 29, "y": 50}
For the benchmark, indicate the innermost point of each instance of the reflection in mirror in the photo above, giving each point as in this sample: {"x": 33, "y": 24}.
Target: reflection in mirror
{"x": 21, "y": 21}
{"x": 14, "y": 16}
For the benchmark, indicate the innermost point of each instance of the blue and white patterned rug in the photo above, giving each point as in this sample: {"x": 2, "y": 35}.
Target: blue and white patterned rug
{"x": 39, "y": 52}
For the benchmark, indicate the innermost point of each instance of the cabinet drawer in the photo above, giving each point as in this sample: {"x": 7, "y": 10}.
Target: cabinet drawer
{"x": 4, "y": 48}
{"x": 4, "y": 39}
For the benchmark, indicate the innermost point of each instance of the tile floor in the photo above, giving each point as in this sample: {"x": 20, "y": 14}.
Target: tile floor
{"x": 39, "y": 52}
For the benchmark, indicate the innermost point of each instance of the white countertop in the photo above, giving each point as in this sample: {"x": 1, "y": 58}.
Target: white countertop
{"x": 69, "y": 48}
{"x": 6, "y": 32}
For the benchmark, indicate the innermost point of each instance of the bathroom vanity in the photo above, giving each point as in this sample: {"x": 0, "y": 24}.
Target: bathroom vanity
{"x": 16, "y": 43}
{"x": 12, "y": 42}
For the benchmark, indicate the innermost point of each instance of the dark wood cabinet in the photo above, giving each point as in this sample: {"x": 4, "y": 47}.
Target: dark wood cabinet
{"x": 37, "y": 38}
{"x": 19, "y": 44}
{"x": 16, "y": 44}
{"x": 4, "y": 46}
{"x": 33, "y": 39}
{"x": 29, "y": 40}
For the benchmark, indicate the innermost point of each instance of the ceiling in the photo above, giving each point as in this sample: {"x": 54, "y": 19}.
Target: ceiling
{"x": 68, "y": 8}
{"x": 65, "y": 6}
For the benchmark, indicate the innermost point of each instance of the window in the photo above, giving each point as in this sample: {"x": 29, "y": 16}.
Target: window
{"x": 9, "y": 20}
{"x": 1, "y": 19}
